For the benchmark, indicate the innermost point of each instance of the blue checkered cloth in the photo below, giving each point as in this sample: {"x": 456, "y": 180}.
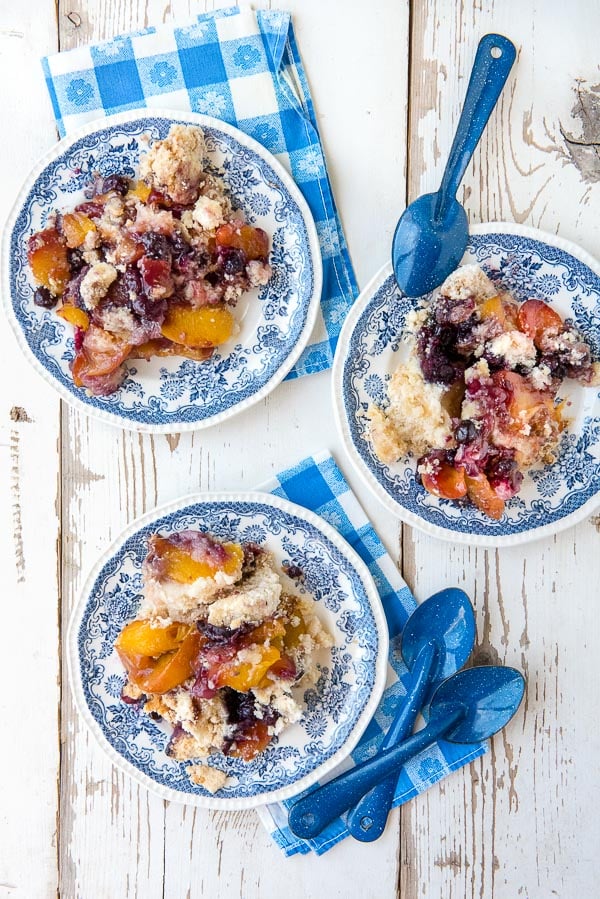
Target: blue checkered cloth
{"x": 239, "y": 66}
{"x": 318, "y": 484}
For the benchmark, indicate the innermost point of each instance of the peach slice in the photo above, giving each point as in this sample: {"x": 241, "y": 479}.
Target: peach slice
{"x": 293, "y": 632}
{"x": 139, "y": 191}
{"x": 243, "y": 676}
{"x": 101, "y": 354}
{"x": 142, "y": 639}
{"x": 173, "y": 668}
{"x": 253, "y": 241}
{"x": 137, "y": 667}
{"x": 524, "y": 399}
{"x": 180, "y": 566}
{"x": 445, "y": 481}
{"x": 482, "y": 494}
{"x": 75, "y": 316}
{"x": 160, "y": 346}
{"x": 206, "y": 326}
{"x": 47, "y": 255}
{"x": 502, "y": 308}
{"x": 75, "y": 227}
{"x": 271, "y": 630}
{"x": 536, "y": 318}
{"x": 254, "y": 741}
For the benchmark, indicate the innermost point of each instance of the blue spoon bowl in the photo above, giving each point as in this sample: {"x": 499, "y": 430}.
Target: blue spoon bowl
{"x": 432, "y": 234}
{"x": 469, "y": 707}
{"x": 437, "y": 640}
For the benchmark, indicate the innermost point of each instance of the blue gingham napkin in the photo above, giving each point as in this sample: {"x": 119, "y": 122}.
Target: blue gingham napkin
{"x": 318, "y": 484}
{"x": 239, "y": 66}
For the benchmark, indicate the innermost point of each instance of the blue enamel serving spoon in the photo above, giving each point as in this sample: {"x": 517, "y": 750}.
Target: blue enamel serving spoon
{"x": 437, "y": 640}
{"x": 468, "y": 707}
{"x": 432, "y": 234}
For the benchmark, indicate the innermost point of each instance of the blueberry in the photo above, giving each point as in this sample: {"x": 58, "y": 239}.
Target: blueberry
{"x": 42, "y": 297}
{"x": 465, "y": 432}
{"x": 157, "y": 246}
{"x": 100, "y": 185}
{"x": 233, "y": 261}
{"x": 76, "y": 261}
{"x": 179, "y": 244}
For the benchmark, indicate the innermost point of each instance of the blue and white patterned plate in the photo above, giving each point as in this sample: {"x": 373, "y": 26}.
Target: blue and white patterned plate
{"x": 530, "y": 264}
{"x": 173, "y": 394}
{"x": 338, "y": 708}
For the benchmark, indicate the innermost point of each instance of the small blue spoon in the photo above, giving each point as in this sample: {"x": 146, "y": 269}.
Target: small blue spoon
{"x": 437, "y": 640}
{"x": 468, "y": 707}
{"x": 432, "y": 234}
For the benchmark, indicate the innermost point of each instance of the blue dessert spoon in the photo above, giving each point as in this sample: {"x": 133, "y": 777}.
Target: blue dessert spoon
{"x": 437, "y": 640}
{"x": 468, "y": 707}
{"x": 432, "y": 234}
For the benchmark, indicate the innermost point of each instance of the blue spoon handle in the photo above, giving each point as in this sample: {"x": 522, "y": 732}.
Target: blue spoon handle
{"x": 310, "y": 815}
{"x": 366, "y": 821}
{"x": 488, "y": 77}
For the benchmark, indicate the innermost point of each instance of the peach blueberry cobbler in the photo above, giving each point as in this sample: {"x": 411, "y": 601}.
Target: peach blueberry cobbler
{"x": 150, "y": 267}
{"x": 476, "y": 400}
{"x": 218, "y": 645}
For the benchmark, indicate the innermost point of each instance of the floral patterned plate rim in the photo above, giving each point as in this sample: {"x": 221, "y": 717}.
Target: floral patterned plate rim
{"x": 173, "y": 394}
{"x": 337, "y": 710}
{"x": 529, "y": 263}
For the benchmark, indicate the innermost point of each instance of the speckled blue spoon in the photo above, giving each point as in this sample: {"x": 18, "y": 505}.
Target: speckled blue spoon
{"x": 468, "y": 707}
{"x": 437, "y": 640}
{"x": 432, "y": 234}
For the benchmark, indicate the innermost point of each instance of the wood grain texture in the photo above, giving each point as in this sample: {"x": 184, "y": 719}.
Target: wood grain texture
{"x": 110, "y": 477}
{"x": 29, "y": 520}
{"x": 511, "y": 825}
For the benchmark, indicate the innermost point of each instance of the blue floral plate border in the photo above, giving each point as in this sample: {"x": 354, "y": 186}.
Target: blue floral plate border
{"x": 165, "y": 395}
{"x": 529, "y": 263}
{"x": 352, "y": 673}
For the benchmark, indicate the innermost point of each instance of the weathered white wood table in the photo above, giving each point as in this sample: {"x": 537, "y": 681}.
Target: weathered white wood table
{"x": 388, "y": 79}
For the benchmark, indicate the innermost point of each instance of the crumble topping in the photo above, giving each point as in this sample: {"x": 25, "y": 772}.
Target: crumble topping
{"x": 136, "y": 266}
{"x": 415, "y": 418}
{"x": 205, "y": 776}
{"x": 174, "y": 165}
{"x": 256, "y": 599}
{"x": 515, "y": 348}
{"x": 540, "y": 376}
{"x": 468, "y": 281}
{"x": 96, "y": 282}
{"x": 119, "y": 321}
{"x": 219, "y": 668}
{"x": 169, "y": 600}
{"x": 208, "y": 213}
{"x": 258, "y": 273}
{"x": 477, "y": 397}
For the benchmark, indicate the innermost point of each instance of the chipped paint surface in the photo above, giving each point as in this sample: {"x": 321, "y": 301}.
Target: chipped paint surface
{"x": 584, "y": 147}
{"x": 15, "y": 489}
{"x": 17, "y": 413}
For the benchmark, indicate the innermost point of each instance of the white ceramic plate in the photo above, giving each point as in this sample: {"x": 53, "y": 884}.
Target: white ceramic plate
{"x": 530, "y": 264}
{"x": 338, "y": 709}
{"x": 173, "y": 394}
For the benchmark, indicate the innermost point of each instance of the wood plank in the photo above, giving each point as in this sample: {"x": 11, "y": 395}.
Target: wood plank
{"x": 29, "y": 521}
{"x": 110, "y": 477}
{"x": 511, "y": 824}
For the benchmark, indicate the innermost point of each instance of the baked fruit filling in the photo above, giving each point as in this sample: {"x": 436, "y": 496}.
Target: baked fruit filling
{"x": 477, "y": 399}
{"x": 148, "y": 267}
{"x": 217, "y": 647}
